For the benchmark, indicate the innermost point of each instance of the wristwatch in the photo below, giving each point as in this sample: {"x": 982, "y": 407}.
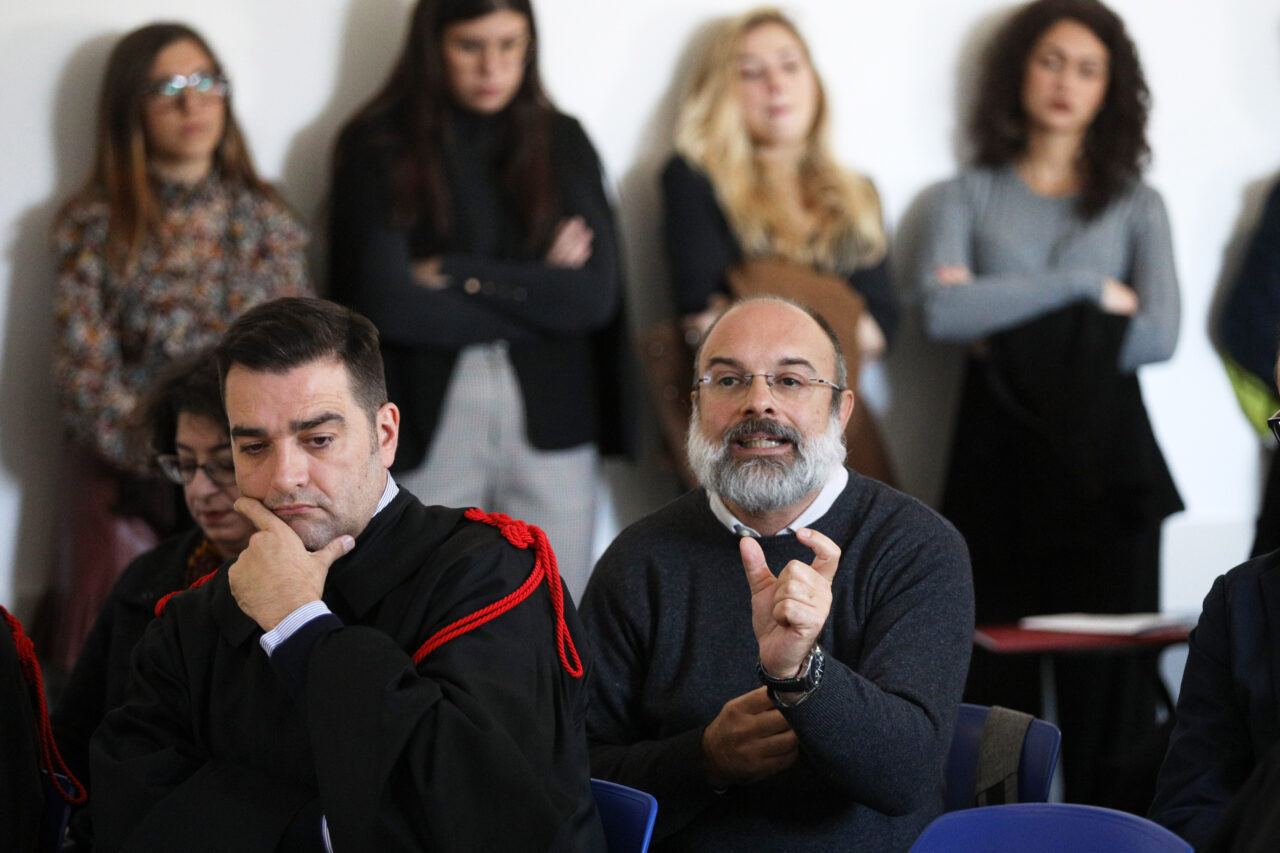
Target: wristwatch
{"x": 806, "y": 682}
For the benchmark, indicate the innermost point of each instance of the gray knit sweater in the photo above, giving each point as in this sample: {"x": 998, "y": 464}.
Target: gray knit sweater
{"x": 668, "y": 615}
{"x": 1031, "y": 254}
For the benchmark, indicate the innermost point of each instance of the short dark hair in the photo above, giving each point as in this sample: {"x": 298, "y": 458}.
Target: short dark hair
{"x": 277, "y": 336}
{"x": 842, "y": 368}
{"x": 1115, "y": 146}
{"x": 189, "y": 385}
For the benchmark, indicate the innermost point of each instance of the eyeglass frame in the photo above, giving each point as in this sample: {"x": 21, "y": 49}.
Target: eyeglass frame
{"x": 1274, "y": 423}
{"x": 220, "y": 88}
{"x": 769, "y": 379}
{"x": 170, "y": 465}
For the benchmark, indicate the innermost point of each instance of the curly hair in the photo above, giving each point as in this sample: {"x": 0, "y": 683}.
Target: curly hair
{"x": 1115, "y": 149}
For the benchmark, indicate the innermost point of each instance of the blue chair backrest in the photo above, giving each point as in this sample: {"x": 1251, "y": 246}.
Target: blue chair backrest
{"x": 627, "y": 815}
{"x": 1046, "y": 828}
{"x": 1035, "y": 766}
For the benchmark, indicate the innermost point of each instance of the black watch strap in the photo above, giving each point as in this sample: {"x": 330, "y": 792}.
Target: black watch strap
{"x": 806, "y": 682}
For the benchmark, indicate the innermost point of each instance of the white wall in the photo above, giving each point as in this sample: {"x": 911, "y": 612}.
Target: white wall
{"x": 894, "y": 72}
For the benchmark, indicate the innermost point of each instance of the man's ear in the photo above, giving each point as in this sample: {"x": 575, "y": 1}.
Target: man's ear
{"x": 387, "y": 430}
{"x": 847, "y": 402}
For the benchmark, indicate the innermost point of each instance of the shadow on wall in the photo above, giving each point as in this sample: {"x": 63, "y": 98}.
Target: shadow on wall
{"x": 924, "y": 376}
{"x": 639, "y": 489}
{"x": 29, "y": 417}
{"x": 371, "y": 41}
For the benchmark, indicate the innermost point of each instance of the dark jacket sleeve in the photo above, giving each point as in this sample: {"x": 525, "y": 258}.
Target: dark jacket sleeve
{"x": 700, "y": 246}
{"x": 157, "y": 788}
{"x": 1211, "y": 752}
{"x": 487, "y": 298}
{"x": 481, "y": 746}
{"x": 1250, "y": 325}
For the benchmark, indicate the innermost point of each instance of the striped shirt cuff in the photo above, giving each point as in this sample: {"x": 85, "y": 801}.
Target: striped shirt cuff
{"x": 295, "y": 620}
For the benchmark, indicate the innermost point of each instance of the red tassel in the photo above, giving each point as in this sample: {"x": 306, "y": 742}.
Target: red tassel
{"x": 522, "y": 536}
{"x": 201, "y": 581}
{"x": 50, "y": 758}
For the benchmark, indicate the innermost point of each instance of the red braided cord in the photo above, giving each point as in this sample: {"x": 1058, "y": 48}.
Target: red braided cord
{"x": 201, "y": 581}
{"x": 522, "y": 536}
{"x": 50, "y": 757}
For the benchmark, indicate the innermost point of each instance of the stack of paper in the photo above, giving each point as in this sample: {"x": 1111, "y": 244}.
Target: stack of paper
{"x": 1130, "y": 624}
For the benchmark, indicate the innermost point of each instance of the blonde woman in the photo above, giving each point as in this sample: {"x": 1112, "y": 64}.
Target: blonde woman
{"x": 753, "y": 180}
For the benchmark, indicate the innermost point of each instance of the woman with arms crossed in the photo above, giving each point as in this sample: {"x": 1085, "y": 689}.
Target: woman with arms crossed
{"x": 1053, "y": 259}
{"x": 470, "y": 225}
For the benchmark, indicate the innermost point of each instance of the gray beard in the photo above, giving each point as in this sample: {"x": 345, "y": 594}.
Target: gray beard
{"x": 770, "y": 483}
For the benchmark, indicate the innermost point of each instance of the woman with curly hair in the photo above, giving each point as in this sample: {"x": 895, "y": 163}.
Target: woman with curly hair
{"x": 1054, "y": 261}
{"x": 754, "y": 194}
{"x": 173, "y": 236}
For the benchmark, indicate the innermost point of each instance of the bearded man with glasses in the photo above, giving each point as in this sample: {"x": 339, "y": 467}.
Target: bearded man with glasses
{"x": 780, "y": 653}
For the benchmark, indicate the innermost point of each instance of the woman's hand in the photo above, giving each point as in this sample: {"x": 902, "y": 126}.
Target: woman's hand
{"x": 427, "y": 273}
{"x": 1118, "y": 298}
{"x": 953, "y": 274}
{"x": 571, "y": 245}
{"x": 871, "y": 342}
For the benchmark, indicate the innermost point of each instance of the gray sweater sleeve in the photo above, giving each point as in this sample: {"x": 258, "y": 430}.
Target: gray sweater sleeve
{"x": 991, "y": 301}
{"x": 1153, "y": 331}
{"x": 979, "y": 222}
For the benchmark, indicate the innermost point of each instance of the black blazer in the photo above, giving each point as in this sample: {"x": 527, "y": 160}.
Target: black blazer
{"x": 1228, "y": 710}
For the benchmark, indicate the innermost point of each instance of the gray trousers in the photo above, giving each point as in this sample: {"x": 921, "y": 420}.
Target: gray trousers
{"x": 480, "y": 456}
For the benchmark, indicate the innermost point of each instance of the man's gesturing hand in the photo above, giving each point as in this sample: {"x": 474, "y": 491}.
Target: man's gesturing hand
{"x": 747, "y": 741}
{"x": 788, "y": 611}
{"x": 276, "y": 574}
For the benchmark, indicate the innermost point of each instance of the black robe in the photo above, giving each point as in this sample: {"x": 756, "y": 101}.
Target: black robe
{"x": 479, "y": 747}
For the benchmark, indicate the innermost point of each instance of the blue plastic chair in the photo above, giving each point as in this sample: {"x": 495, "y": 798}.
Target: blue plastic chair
{"x": 1035, "y": 766}
{"x": 627, "y": 815}
{"x": 1046, "y": 828}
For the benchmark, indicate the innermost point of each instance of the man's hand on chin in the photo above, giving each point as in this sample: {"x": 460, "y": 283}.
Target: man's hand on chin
{"x": 276, "y": 574}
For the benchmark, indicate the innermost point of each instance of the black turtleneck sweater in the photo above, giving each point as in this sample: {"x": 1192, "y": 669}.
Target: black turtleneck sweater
{"x": 563, "y": 325}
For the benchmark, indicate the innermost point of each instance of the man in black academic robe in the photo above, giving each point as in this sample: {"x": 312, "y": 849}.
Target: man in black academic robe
{"x": 346, "y": 683}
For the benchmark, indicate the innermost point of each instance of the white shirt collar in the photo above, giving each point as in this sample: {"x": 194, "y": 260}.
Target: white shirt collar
{"x": 836, "y": 481}
{"x": 388, "y": 494}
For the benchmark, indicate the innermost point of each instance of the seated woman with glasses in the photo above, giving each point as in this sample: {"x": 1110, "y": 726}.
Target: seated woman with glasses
{"x": 173, "y": 236}
{"x": 185, "y": 428}
{"x": 470, "y": 224}
{"x": 755, "y": 203}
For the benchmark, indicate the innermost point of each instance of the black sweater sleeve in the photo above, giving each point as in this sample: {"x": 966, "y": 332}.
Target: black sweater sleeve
{"x": 488, "y": 298}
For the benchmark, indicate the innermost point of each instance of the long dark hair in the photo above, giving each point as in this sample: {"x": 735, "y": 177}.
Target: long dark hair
{"x": 412, "y": 110}
{"x": 120, "y": 162}
{"x": 1115, "y": 145}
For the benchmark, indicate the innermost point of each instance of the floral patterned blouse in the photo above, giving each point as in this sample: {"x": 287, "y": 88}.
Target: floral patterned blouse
{"x": 220, "y": 250}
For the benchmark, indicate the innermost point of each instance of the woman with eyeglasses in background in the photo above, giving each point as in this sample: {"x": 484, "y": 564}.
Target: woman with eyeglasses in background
{"x": 183, "y": 426}
{"x": 1054, "y": 260}
{"x": 754, "y": 198}
{"x": 470, "y": 224}
{"x": 173, "y": 236}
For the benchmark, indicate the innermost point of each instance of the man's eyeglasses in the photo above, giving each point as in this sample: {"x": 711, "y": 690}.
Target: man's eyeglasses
{"x": 732, "y": 385}
{"x": 198, "y": 83}
{"x": 182, "y": 470}
{"x": 1274, "y": 423}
